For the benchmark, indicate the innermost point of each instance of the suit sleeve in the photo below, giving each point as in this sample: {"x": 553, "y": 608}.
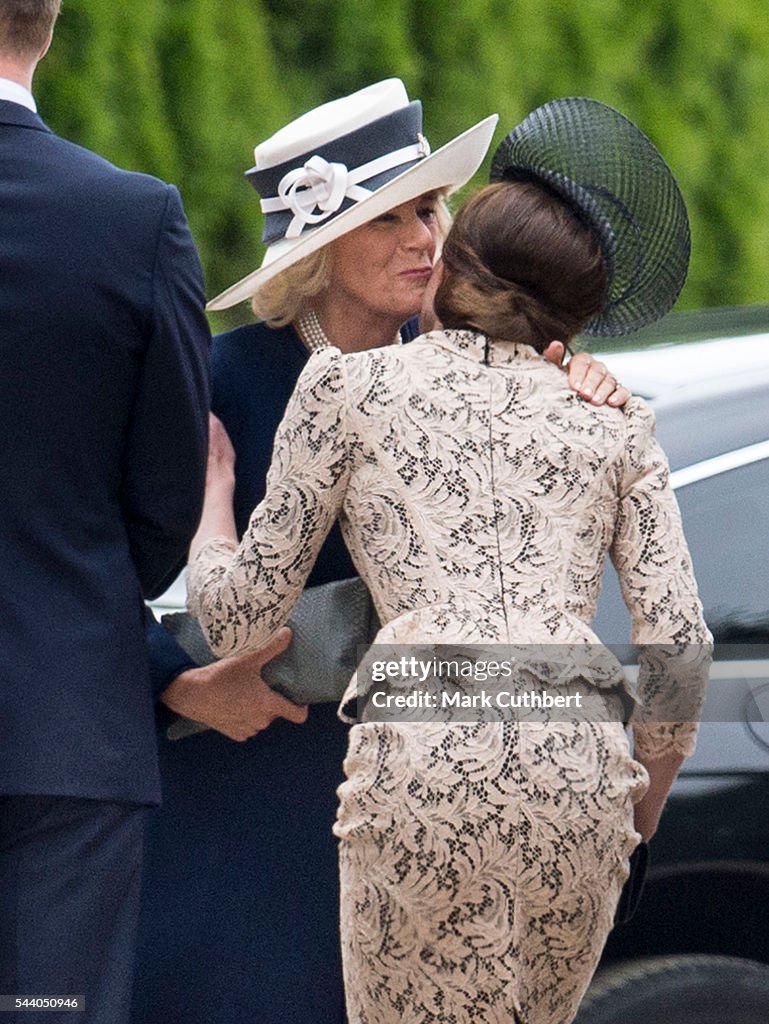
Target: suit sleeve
{"x": 652, "y": 559}
{"x": 167, "y": 658}
{"x": 165, "y": 454}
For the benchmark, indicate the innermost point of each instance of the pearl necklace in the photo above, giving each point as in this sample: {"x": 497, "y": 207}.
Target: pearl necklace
{"x": 313, "y": 335}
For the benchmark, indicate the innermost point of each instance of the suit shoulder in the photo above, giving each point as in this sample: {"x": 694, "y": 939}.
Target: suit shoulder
{"x": 95, "y": 175}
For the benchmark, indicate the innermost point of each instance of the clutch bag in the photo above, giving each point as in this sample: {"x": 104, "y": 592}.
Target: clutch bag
{"x": 329, "y": 623}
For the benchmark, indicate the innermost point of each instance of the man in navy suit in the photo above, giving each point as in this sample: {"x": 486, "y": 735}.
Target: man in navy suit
{"x": 103, "y": 426}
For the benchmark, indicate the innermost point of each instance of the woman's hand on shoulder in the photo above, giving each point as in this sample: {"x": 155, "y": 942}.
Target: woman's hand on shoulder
{"x": 589, "y": 377}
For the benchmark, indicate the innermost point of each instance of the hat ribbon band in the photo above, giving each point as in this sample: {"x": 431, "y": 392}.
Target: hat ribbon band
{"x": 326, "y": 185}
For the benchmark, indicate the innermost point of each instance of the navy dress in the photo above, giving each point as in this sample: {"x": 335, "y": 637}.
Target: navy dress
{"x": 240, "y": 912}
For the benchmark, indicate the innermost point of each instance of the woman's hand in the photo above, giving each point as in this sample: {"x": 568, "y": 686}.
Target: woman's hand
{"x": 588, "y": 377}
{"x": 217, "y": 519}
{"x": 662, "y": 774}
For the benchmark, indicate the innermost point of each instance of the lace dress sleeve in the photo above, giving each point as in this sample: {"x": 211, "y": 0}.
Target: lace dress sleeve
{"x": 652, "y": 560}
{"x": 242, "y": 594}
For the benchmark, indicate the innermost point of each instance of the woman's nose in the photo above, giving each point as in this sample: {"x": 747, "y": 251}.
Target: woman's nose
{"x": 417, "y": 235}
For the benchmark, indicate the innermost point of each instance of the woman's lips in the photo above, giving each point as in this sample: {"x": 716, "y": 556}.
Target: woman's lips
{"x": 418, "y": 273}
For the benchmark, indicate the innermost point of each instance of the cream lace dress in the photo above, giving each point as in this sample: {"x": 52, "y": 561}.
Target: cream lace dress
{"x": 480, "y": 863}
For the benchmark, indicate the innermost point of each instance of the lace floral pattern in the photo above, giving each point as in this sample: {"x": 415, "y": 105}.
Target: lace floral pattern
{"x": 479, "y": 498}
{"x": 480, "y": 868}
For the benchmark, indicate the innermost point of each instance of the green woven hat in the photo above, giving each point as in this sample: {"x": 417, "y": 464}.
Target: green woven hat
{"x": 615, "y": 179}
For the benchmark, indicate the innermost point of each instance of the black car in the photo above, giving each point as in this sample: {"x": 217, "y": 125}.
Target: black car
{"x": 697, "y": 949}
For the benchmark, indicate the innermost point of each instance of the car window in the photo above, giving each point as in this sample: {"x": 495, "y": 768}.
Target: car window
{"x": 726, "y": 521}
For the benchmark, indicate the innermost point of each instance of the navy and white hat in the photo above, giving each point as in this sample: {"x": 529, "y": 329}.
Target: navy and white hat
{"x": 342, "y": 164}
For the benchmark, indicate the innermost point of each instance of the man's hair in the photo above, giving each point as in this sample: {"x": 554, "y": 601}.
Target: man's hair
{"x": 25, "y": 25}
{"x": 519, "y": 265}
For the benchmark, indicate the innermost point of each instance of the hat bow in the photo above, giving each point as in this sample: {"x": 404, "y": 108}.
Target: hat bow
{"x": 317, "y": 190}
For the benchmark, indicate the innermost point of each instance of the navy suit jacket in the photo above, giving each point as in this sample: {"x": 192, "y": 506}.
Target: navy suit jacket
{"x": 103, "y": 425}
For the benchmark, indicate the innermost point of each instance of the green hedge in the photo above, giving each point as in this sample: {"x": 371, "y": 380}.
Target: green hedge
{"x": 186, "y": 88}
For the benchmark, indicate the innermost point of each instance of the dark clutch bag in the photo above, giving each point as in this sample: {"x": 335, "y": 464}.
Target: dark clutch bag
{"x": 631, "y": 893}
{"x": 329, "y": 623}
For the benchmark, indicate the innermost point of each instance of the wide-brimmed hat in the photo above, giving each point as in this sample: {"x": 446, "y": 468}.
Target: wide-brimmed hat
{"x": 342, "y": 164}
{"x": 615, "y": 179}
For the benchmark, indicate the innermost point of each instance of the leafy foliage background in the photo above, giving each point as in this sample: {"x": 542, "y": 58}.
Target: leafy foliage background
{"x": 186, "y": 88}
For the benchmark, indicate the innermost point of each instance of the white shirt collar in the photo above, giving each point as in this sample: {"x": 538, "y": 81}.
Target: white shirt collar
{"x": 16, "y": 93}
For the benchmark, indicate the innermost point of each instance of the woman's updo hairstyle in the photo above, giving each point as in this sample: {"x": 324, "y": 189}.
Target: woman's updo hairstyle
{"x": 519, "y": 265}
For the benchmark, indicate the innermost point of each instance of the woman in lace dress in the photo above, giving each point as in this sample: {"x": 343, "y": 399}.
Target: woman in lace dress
{"x": 481, "y": 863}
{"x": 240, "y": 894}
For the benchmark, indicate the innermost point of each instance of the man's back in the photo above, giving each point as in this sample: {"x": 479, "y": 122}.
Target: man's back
{"x": 103, "y": 393}
{"x": 103, "y": 420}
